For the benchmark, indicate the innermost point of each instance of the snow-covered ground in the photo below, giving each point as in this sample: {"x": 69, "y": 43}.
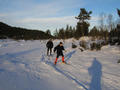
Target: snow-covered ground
{"x": 25, "y": 66}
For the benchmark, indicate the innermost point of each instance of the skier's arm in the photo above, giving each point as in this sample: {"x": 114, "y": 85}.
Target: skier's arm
{"x": 64, "y": 49}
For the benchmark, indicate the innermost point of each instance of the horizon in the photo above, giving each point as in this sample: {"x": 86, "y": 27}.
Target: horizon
{"x": 55, "y": 14}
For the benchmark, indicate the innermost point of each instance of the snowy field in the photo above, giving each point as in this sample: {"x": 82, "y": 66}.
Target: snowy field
{"x": 25, "y": 66}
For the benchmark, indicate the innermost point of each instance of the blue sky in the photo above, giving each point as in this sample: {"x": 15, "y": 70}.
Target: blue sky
{"x": 52, "y": 14}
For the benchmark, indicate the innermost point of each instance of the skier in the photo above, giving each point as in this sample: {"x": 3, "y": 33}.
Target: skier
{"x": 59, "y": 48}
{"x": 49, "y": 46}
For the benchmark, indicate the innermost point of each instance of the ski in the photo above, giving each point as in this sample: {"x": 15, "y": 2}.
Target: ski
{"x": 65, "y": 63}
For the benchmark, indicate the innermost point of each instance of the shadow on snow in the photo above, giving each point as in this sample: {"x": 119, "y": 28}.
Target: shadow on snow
{"x": 69, "y": 55}
{"x": 95, "y": 72}
{"x": 12, "y": 56}
{"x": 62, "y": 72}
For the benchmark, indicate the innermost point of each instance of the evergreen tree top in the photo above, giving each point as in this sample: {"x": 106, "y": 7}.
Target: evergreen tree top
{"x": 84, "y": 15}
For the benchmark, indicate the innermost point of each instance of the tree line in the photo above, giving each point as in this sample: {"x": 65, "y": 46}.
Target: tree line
{"x": 107, "y": 29}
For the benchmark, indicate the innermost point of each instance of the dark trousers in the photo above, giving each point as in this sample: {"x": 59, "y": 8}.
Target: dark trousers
{"x": 49, "y": 50}
{"x": 60, "y": 55}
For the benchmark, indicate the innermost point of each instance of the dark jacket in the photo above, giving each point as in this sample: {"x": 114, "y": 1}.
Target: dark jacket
{"x": 59, "y": 49}
{"x": 49, "y": 44}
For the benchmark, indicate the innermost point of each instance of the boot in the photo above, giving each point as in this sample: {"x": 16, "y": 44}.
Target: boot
{"x": 63, "y": 60}
{"x": 55, "y": 61}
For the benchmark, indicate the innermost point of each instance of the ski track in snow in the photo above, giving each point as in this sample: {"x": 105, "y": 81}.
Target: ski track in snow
{"x": 63, "y": 72}
{"x": 28, "y": 60}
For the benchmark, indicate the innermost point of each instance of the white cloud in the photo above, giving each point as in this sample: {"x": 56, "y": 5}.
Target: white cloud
{"x": 95, "y": 18}
{"x": 48, "y": 23}
{"x": 65, "y": 19}
{"x": 94, "y": 21}
{"x": 2, "y": 15}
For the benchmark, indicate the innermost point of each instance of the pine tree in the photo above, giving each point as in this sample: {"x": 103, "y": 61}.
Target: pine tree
{"x": 82, "y": 24}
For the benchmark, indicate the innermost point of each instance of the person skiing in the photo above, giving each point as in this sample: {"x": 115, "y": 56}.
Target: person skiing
{"x": 59, "y": 48}
{"x": 49, "y": 46}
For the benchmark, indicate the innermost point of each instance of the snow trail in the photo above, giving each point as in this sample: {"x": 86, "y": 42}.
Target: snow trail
{"x": 25, "y": 66}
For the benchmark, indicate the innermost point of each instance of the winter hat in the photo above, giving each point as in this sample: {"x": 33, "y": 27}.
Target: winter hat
{"x": 61, "y": 43}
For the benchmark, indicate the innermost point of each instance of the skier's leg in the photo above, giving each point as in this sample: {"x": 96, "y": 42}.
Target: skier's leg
{"x": 56, "y": 59}
{"x": 50, "y": 51}
{"x": 47, "y": 51}
{"x": 63, "y": 58}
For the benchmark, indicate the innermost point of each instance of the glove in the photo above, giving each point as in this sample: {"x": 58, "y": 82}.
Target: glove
{"x": 65, "y": 50}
